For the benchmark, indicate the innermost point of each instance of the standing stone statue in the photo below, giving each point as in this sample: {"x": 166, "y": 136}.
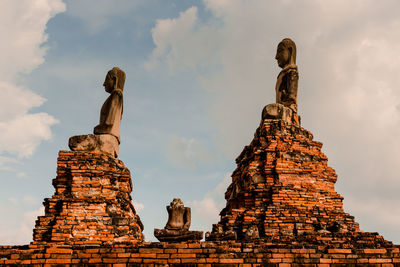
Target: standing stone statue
{"x": 106, "y": 137}
{"x": 286, "y": 86}
{"x": 177, "y": 227}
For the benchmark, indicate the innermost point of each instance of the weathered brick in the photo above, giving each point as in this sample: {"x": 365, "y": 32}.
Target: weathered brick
{"x": 375, "y": 250}
{"x": 294, "y": 194}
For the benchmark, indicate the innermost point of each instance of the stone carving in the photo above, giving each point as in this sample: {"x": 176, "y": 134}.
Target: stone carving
{"x": 179, "y": 217}
{"x": 287, "y": 82}
{"x": 277, "y": 111}
{"x": 285, "y": 107}
{"x": 103, "y": 143}
{"x": 177, "y": 227}
{"x": 111, "y": 111}
{"x": 106, "y": 138}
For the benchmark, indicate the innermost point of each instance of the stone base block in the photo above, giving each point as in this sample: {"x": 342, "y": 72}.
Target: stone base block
{"x": 103, "y": 143}
{"x": 280, "y": 112}
{"x": 168, "y": 235}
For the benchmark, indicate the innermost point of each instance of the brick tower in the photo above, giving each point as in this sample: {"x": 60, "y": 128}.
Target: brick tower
{"x": 283, "y": 190}
{"x": 92, "y": 204}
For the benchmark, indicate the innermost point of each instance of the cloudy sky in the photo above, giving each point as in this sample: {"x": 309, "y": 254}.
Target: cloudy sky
{"x": 198, "y": 75}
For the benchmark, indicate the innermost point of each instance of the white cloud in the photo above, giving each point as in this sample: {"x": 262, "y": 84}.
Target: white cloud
{"x": 5, "y": 161}
{"x": 23, "y": 25}
{"x": 348, "y": 60}
{"x": 22, "y": 100}
{"x": 186, "y": 153}
{"x": 21, "y": 174}
{"x": 27, "y": 200}
{"x": 97, "y": 14}
{"x": 30, "y": 200}
{"x": 206, "y": 211}
{"x": 13, "y": 200}
{"x": 176, "y": 41}
{"x": 138, "y": 206}
{"x": 21, "y": 235}
{"x": 385, "y": 211}
{"x": 24, "y": 234}
{"x": 220, "y": 189}
{"x": 23, "y": 134}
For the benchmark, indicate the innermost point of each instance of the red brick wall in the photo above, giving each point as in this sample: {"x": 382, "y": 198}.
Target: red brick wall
{"x": 224, "y": 253}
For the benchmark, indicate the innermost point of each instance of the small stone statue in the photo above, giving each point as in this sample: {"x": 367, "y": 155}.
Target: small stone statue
{"x": 106, "y": 137}
{"x": 285, "y": 107}
{"x": 178, "y": 215}
{"x": 177, "y": 227}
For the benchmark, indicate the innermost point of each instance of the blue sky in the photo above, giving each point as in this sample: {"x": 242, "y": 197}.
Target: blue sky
{"x": 198, "y": 76}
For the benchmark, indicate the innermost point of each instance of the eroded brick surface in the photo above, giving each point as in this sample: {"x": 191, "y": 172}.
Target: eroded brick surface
{"x": 282, "y": 187}
{"x": 92, "y": 203}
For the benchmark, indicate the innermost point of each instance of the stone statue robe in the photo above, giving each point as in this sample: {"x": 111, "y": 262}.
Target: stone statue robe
{"x": 178, "y": 218}
{"x": 286, "y": 87}
{"x": 110, "y": 115}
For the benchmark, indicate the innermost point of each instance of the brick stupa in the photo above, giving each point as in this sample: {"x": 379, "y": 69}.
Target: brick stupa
{"x": 92, "y": 204}
{"x": 283, "y": 191}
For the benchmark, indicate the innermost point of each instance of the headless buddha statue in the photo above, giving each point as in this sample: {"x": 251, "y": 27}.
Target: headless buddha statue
{"x": 177, "y": 227}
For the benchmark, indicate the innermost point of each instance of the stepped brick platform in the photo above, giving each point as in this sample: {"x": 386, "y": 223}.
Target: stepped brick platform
{"x": 92, "y": 203}
{"x": 283, "y": 190}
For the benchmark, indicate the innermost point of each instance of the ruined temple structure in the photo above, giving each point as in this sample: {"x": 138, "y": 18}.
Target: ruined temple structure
{"x": 281, "y": 207}
{"x": 283, "y": 191}
{"x": 92, "y": 203}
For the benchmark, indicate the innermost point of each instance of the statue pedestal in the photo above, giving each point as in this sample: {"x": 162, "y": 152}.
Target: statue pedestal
{"x": 92, "y": 204}
{"x": 170, "y": 235}
{"x": 280, "y": 112}
{"x": 103, "y": 143}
